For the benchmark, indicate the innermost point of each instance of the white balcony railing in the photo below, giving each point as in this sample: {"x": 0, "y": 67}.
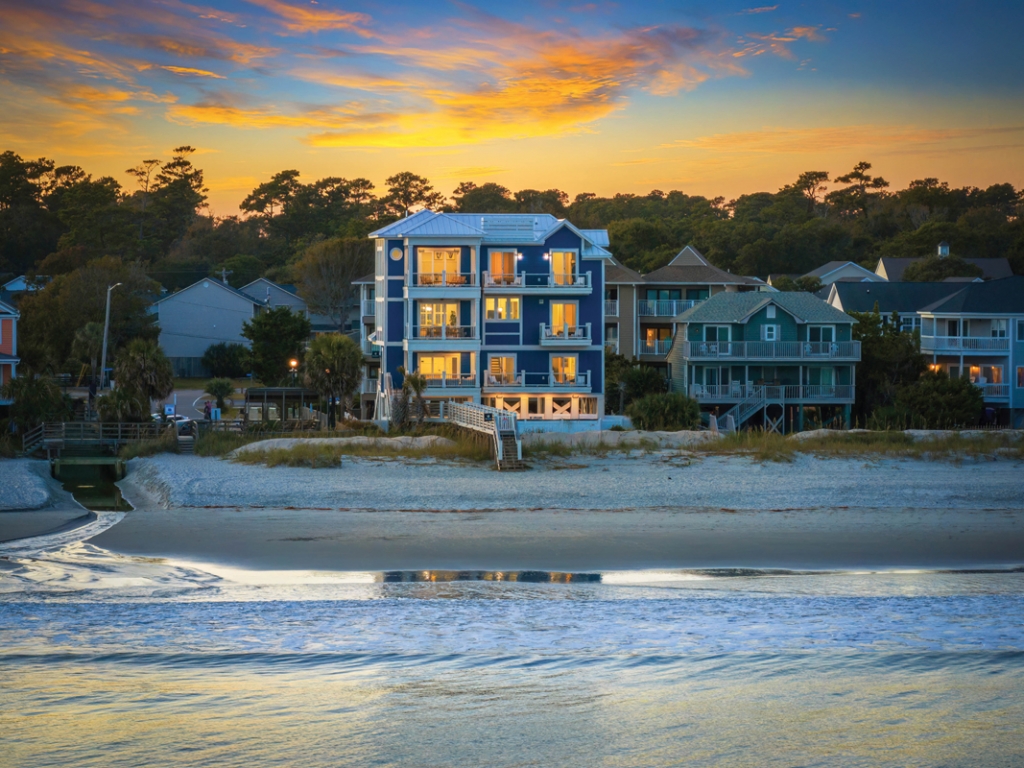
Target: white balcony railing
{"x": 565, "y": 335}
{"x": 664, "y": 307}
{"x": 538, "y": 280}
{"x": 655, "y": 346}
{"x": 455, "y": 381}
{"x": 369, "y": 386}
{"x": 772, "y": 392}
{"x": 525, "y": 380}
{"x": 994, "y": 391}
{"x": 964, "y": 344}
{"x": 369, "y": 348}
{"x": 611, "y": 307}
{"x": 442, "y": 332}
{"x": 772, "y": 350}
{"x": 369, "y": 307}
{"x": 441, "y": 279}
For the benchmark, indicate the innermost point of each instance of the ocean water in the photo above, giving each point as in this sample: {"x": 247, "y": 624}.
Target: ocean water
{"x": 114, "y": 661}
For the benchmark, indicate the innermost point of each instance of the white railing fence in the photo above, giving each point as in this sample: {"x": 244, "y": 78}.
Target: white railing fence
{"x": 655, "y": 347}
{"x": 664, "y": 307}
{"x": 442, "y": 332}
{"x": 768, "y": 350}
{"x": 965, "y": 343}
{"x": 611, "y": 307}
{"x": 565, "y": 332}
{"x": 442, "y": 279}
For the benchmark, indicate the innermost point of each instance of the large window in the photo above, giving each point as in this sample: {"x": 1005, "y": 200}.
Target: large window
{"x": 818, "y": 333}
{"x": 563, "y": 317}
{"x": 653, "y": 334}
{"x": 999, "y": 328}
{"x": 664, "y": 294}
{"x": 564, "y": 368}
{"x": 717, "y": 332}
{"x": 502, "y": 267}
{"x": 502, "y": 308}
{"x": 438, "y": 265}
{"x": 986, "y": 374}
{"x": 563, "y": 267}
{"x": 910, "y": 323}
{"x": 433, "y": 366}
{"x": 436, "y": 315}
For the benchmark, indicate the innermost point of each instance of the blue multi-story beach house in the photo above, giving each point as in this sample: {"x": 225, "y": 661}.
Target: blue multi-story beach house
{"x": 506, "y": 310}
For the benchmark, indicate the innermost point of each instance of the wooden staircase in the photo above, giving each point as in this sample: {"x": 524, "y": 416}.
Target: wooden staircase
{"x": 186, "y": 444}
{"x": 499, "y": 426}
{"x": 510, "y": 460}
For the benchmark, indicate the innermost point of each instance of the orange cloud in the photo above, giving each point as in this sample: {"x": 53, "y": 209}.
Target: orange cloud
{"x": 306, "y": 18}
{"x": 191, "y": 72}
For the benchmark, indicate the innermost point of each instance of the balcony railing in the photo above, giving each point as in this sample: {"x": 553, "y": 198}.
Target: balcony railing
{"x": 442, "y": 279}
{"x": 994, "y": 391}
{"x": 455, "y": 381}
{"x": 538, "y": 280}
{"x": 529, "y": 380}
{"x": 565, "y": 335}
{"x": 369, "y": 348}
{"x": 420, "y": 332}
{"x": 964, "y": 344}
{"x": 655, "y": 347}
{"x": 772, "y": 350}
{"x": 664, "y": 307}
{"x": 772, "y": 392}
{"x": 611, "y": 308}
{"x": 369, "y": 307}
{"x": 369, "y": 386}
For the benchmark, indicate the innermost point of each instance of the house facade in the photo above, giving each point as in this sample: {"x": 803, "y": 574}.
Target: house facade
{"x": 8, "y": 345}
{"x": 207, "y": 312}
{"x": 978, "y": 333}
{"x": 271, "y": 294}
{"x": 371, "y": 352}
{"x": 501, "y": 309}
{"x": 780, "y": 359}
{"x": 905, "y": 299}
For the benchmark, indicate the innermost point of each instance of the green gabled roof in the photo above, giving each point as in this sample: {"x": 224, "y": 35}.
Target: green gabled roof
{"x": 737, "y": 307}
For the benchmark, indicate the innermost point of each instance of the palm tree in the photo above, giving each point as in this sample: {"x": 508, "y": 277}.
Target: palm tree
{"x": 123, "y": 404}
{"x": 334, "y": 368}
{"x": 143, "y": 369}
{"x": 414, "y": 384}
{"x": 87, "y": 345}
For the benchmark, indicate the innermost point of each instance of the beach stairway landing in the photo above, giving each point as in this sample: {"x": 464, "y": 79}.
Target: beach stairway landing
{"x": 744, "y": 409}
{"x": 499, "y": 426}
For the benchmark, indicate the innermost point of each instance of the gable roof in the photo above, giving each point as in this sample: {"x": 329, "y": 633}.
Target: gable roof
{"x": 991, "y": 269}
{"x": 689, "y": 257}
{"x": 7, "y": 309}
{"x": 891, "y": 297}
{"x": 689, "y": 270}
{"x": 369, "y": 279}
{"x": 1001, "y": 297}
{"x": 834, "y": 266}
{"x": 737, "y": 307}
{"x": 250, "y": 289}
{"x": 212, "y": 281}
{"x": 614, "y": 272}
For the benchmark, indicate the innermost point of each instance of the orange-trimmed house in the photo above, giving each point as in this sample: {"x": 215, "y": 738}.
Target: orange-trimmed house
{"x": 8, "y": 345}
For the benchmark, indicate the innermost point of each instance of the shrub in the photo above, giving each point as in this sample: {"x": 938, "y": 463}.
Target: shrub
{"x": 667, "y": 412}
{"x": 226, "y": 360}
{"x": 936, "y": 401}
{"x": 220, "y": 388}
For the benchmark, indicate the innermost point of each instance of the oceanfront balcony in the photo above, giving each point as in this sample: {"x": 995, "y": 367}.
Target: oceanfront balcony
{"x": 565, "y": 336}
{"x": 454, "y": 381}
{"x": 655, "y": 347}
{"x": 538, "y": 282}
{"x": 995, "y": 391}
{"x": 535, "y": 382}
{"x": 442, "y": 338}
{"x": 772, "y": 350}
{"x": 369, "y": 308}
{"x": 808, "y": 393}
{"x": 664, "y": 308}
{"x": 964, "y": 344}
{"x": 369, "y": 348}
{"x": 442, "y": 279}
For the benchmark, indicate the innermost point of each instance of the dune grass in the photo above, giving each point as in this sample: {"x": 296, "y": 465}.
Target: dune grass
{"x": 462, "y": 448}
{"x": 166, "y": 443}
{"x": 544, "y": 449}
{"x": 768, "y": 446}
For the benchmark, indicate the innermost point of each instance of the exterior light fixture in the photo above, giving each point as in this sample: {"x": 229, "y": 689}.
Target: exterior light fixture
{"x": 547, "y": 257}
{"x": 293, "y": 363}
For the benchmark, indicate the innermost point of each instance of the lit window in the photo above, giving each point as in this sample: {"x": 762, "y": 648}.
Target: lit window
{"x": 502, "y": 308}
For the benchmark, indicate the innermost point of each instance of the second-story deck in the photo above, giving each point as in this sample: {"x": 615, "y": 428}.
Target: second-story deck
{"x": 538, "y": 282}
{"x": 978, "y": 345}
{"x": 771, "y": 350}
{"x": 665, "y": 307}
{"x": 565, "y": 335}
{"x": 523, "y": 381}
{"x": 773, "y": 393}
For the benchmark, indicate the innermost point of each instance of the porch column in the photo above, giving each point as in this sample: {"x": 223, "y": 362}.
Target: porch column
{"x": 846, "y": 416}
{"x": 800, "y": 418}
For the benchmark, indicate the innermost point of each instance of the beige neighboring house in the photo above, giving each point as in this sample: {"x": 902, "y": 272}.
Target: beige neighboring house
{"x": 639, "y": 309}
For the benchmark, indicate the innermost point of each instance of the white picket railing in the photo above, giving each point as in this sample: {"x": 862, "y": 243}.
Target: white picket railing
{"x": 964, "y": 344}
{"x": 611, "y": 307}
{"x": 655, "y": 347}
{"x": 565, "y": 334}
{"x": 541, "y": 280}
{"x": 771, "y": 350}
{"x": 664, "y": 307}
{"x": 369, "y": 307}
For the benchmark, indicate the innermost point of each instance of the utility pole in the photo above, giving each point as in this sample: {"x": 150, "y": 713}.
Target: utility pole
{"x": 224, "y": 276}
{"x": 106, "y": 330}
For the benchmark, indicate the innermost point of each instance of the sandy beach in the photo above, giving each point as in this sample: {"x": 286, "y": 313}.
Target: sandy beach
{"x": 33, "y": 504}
{"x": 588, "y": 514}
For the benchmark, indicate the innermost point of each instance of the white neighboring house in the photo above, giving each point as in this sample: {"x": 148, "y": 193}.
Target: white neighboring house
{"x": 207, "y": 312}
{"x": 834, "y": 271}
{"x": 21, "y": 284}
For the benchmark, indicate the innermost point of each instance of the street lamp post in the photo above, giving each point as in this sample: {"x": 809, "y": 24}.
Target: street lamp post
{"x": 106, "y": 331}
{"x": 293, "y": 364}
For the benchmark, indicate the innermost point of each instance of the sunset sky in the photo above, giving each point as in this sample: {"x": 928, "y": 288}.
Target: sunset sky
{"x": 713, "y": 98}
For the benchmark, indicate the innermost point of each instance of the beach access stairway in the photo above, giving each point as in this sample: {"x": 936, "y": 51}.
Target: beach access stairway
{"x": 745, "y": 408}
{"x": 499, "y": 426}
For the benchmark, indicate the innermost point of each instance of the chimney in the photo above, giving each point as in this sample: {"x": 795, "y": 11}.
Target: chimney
{"x": 943, "y": 249}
